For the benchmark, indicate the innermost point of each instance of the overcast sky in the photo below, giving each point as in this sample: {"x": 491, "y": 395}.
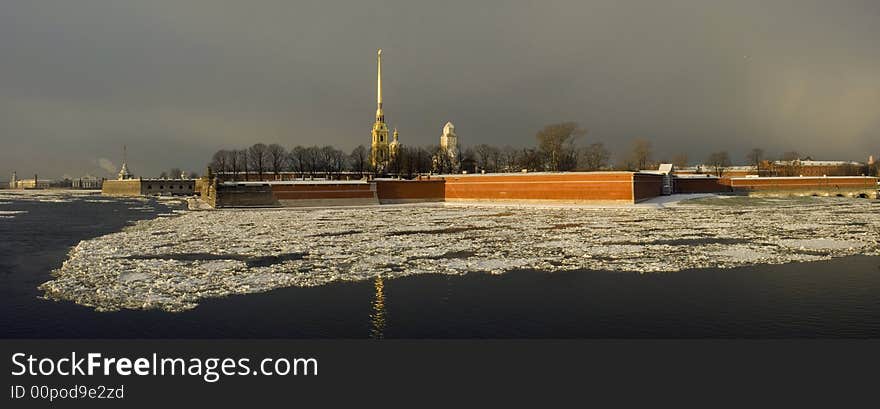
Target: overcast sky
{"x": 175, "y": 80}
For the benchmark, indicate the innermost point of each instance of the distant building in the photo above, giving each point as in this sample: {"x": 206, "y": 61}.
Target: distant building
{"x": 87, "y": 182}
{"x": 65, "y": 183}
{"x": 810, "y": 167}
{"x": 449, "y": 147}
{"x": 34, "y": 183}
{"x": 127, "y": 185}
{"x": 729, "y": 171}
{"x": 394, "y": 146}
{"x": 797, "y": 167}
{"x": 149, "y": 187}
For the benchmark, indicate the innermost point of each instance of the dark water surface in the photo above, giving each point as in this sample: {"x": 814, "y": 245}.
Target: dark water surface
{"x": 837, "y": 298}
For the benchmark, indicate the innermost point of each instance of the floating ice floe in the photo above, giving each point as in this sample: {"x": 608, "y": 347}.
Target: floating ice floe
{"x": 172, "y": 263}
{"x": 46, "y": 196}
{"x": 10, "y": 214}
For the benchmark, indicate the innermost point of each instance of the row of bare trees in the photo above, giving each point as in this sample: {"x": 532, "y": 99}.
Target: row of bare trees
{"x": 261, "y": 159}
{"x": 557, "y": 148}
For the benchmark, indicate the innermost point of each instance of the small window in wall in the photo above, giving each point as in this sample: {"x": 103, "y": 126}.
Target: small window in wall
{"x": 149, "y": 186}
{"x": 161, "y": 186}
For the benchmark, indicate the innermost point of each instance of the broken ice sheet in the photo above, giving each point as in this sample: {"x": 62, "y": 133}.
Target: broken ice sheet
{"x": 172, "y": 263}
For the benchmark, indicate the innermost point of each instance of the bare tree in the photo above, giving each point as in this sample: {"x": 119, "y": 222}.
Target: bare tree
{"x": 441, "y": 162}
{"x": 233, "y": 160}
{"x": 790, "y": 156}
{"x": 333, "y": 160}
{"x": 296, "y": 159}
{"x": 531, "y": 159}
{"x": 483, "y": 155}
{"x": 680, "y": 160}
{"x": 277, "y": 156}
{"x": 468, "y": 160}
{"x": 755, "y": 156}
{"x": 359, "y": 159}
{"x": 568, "y": 159}
{"x": 555, "y": 139}
{"x": 510, "y": 158}
{"x": 495, "y": 159}
{"x": 421, "y": 157}
{"x": 718, "y": 162}
{"x": 175, "y": 173}
{"x": 219, "y": 161}
{"x": 258, "y": 158}
{"x": 400, "y": 163}
{"x": 640, "y": 156}
{"x": 593, "y": 157}
{"x": 314, "y": 160}
{"x": 242, "y": 160}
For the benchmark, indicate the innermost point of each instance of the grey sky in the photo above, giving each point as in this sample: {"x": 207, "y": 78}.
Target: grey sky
{"x": 177, "y": 79}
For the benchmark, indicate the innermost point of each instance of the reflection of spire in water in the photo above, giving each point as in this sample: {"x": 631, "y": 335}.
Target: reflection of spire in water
{"x": 377, "y": 318}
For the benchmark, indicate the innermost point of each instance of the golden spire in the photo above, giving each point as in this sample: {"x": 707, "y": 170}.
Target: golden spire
{"x": 380, "y": 116}
{"x": 379, "y": 154}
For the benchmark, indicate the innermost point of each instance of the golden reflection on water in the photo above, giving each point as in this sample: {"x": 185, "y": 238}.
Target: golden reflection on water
{"x": 377, "y": 318}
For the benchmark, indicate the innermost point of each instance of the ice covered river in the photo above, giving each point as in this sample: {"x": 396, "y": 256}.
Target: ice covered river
{"x": 174, "y": 263}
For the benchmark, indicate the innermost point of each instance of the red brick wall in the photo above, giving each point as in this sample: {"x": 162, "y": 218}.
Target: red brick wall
{"x": 803, "y": 183}
{"x": 701, "y": 185}
{"x": 646, "y": 186}
{"x": 244, "y": 196}
{"x": 595, "y": 186}
{"x": 322, "y": 191}
{"x": 410, "y": 190}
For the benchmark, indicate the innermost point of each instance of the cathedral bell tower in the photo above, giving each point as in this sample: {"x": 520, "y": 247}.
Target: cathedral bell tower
{"x": 379, "y": 152}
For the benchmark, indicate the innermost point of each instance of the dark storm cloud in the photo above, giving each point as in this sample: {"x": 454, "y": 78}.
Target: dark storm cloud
{"x": 176, "y": 80}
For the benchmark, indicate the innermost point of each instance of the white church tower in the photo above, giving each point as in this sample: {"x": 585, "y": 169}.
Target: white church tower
{"x": 449, "y": 144}
{"x": 124, "y": 173}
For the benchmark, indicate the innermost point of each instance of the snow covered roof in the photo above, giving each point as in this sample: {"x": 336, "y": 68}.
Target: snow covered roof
{"x": 296, "y": 182}
{"x": 802, "y": 177}
{"x": 694, "y": 176}
{"x": 532, "y": 173}
{"x": 818, "y": 162}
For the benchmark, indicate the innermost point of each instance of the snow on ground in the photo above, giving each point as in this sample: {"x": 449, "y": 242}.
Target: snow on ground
{"x": 172, "y": 263}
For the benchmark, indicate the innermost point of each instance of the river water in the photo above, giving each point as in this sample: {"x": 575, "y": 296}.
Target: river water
{"x": 836, "y": 298}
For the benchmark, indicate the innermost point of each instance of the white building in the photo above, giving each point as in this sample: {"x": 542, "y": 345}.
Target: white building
{"x": 449, "y": 145}
{"x": 86, "y": 182}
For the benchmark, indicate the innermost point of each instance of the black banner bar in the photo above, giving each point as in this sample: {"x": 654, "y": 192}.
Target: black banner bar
{"x": 460, "y": 373}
